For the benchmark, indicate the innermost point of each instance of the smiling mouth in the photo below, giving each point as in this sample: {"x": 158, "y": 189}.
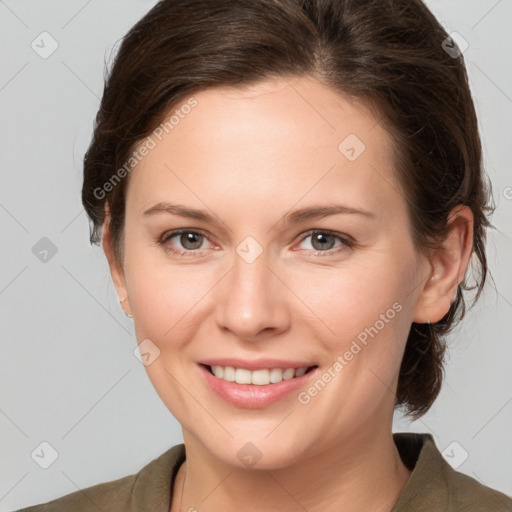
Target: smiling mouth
{"x": 260, "y": 377}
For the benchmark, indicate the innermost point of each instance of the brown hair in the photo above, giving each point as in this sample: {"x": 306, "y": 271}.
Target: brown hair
{"x": 389, "y": 53}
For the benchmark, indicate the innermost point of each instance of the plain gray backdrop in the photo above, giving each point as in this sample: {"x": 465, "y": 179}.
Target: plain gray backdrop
{"x": 69, "y": 377}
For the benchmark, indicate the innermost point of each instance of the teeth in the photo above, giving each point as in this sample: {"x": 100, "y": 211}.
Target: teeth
{"x": 227, "y": 373}
{"x": 300, "y": 371}
{"x": 257, "y": 377}
{"x": 276, "y": 375}
{"x": 288, "y": 374}
{"x": 242, "y": 376}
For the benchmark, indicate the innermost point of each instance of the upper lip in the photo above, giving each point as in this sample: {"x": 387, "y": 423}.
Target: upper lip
{"x": 256, "y": 364}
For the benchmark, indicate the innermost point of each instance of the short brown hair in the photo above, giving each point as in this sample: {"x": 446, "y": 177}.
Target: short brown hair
{"x": 389, "y": 53}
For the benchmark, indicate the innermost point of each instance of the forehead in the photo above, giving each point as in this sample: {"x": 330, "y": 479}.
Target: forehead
{"x": 281, "y": 138}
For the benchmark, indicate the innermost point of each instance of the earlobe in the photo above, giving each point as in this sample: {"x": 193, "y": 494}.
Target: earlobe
{"x": 121, "y": 300}
{"x": 449, "y": 263}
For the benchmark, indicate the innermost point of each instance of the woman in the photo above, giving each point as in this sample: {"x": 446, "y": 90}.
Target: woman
{"x": 235, "y": 139}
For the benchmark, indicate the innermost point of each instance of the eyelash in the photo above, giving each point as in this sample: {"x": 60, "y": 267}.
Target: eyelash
{"x": 347, "y": 242}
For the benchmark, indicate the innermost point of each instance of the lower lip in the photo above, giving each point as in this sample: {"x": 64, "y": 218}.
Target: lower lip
{"x": 252, "y": 396}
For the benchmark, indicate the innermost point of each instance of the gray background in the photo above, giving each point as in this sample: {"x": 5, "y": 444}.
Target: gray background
{"x": 68, "y": 373}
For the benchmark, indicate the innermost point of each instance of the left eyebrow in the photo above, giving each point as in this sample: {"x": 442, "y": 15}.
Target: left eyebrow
{"x": 315, "y": 212}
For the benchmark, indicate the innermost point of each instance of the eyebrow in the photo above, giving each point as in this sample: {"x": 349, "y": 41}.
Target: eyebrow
{"x": 294, "y": 217}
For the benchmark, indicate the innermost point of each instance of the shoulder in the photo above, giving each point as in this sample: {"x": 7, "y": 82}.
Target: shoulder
{"x": 149, "y": 489}
{"x": 434, "y": 485}
{"x": 468, "y": 494}
{"x": 114, "y": 495}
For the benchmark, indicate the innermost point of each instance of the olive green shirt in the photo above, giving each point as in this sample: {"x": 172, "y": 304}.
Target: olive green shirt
{"x": 432, "y": 487}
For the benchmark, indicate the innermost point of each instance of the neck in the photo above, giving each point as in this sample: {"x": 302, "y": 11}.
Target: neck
{"x": 361, "y": 474}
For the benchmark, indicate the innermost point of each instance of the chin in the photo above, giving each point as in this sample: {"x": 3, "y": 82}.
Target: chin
{"x": 255, "y": 452}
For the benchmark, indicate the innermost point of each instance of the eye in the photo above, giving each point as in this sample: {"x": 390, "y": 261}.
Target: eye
{"x": 323, "y": 242}
{"x": 188, "y": 239}
{"x": 189, "y": 242}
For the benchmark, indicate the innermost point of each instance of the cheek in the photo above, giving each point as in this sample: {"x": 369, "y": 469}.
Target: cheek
{"x": 355, "y": 297}
{"x": 169, "y": 302}
{"x": 365, "y": 320}
{"x": 164, "y": 300}
{"x": 363, "y": 316}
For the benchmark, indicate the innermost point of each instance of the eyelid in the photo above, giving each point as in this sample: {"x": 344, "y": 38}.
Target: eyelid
{"x": 173, "y": 232}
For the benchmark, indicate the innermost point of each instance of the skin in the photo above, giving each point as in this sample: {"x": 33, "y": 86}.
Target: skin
{"x": 249, "y": 156}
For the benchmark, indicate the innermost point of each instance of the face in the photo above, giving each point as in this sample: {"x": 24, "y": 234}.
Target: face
{"x": 264, "y": 277}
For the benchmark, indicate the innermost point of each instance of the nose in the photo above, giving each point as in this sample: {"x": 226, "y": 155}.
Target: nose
{"x": 253, "y": 302}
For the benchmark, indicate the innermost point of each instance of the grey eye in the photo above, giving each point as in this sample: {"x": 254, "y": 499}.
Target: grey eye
{"x": 323, "y": 241}
{"x": 190, "y": 240}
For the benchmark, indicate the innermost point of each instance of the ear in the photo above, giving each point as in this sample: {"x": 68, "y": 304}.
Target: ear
{"x": 448, "y": 263}
{"x": 116, "y": 269}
